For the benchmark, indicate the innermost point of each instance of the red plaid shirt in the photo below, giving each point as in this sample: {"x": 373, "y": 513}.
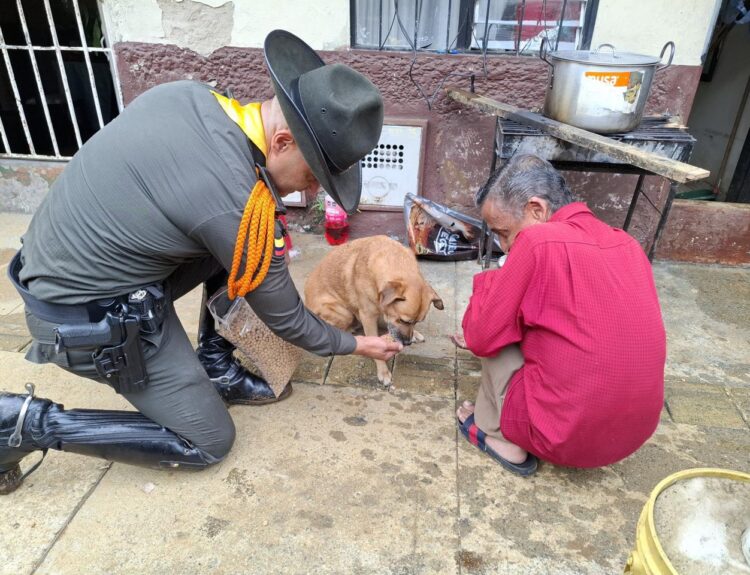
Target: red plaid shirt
{"x": 579, "y": 298}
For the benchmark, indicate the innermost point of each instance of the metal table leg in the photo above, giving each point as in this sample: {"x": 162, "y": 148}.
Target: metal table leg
{"x": 663, "y": 219}
{"x": 486, "y": 243}
{"x": 633, "y": 202}
{"x": 489, "y": 244}
{"x": 482, "y": 241}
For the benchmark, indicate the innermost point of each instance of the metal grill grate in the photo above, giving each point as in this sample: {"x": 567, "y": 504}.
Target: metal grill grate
{"x": 651, "y": 128}
{"x": 52, "y": 92}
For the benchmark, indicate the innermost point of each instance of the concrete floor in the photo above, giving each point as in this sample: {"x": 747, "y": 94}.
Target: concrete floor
{"x": 344, "y": 477}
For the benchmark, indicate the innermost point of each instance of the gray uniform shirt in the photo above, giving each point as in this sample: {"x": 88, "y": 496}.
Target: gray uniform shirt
{"x": 165, "y": 183}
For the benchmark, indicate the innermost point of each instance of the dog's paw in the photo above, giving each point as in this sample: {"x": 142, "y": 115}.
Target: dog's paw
{"x": 417, "y": 337}
{"x": 385, "y": 377}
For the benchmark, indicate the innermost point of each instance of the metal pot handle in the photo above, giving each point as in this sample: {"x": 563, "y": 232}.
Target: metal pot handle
{"x": 543, "y": 51}
{"x": 608, "y": 46}
{"x": 669, "y": 44}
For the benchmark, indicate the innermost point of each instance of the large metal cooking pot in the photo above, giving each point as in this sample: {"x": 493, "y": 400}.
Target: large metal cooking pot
{"x": 603, "y": 91}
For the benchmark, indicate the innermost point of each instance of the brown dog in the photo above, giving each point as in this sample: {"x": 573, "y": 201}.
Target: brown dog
{"x": 372, "y": 281}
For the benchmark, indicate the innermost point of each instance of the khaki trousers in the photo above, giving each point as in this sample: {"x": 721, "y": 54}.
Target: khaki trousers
{"x": 496, "y": 373}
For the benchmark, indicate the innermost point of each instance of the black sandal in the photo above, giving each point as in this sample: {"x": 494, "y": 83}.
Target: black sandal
{"x": 477, "y": 437}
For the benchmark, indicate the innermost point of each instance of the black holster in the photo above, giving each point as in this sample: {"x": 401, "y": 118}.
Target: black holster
{"x": 119, "y": 358}
{"x": 111, "y": 327}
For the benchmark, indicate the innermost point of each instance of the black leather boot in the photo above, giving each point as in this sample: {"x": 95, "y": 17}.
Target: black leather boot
{"x": 235, "y": 384}
{"x": 29, "y": 424}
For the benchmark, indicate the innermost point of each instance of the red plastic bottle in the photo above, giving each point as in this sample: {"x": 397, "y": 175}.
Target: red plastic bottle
{"x": 336, "y": 224}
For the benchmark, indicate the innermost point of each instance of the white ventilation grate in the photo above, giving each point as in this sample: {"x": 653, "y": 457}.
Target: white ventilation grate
{"x": 392, "y": 169}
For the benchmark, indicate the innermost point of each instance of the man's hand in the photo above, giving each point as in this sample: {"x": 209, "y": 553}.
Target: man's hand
{"x": 377, "y": 347}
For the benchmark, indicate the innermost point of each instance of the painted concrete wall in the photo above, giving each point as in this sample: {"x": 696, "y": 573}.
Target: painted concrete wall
{"x": 459, "y": 141}
{"x": 190, "y": 39}
{"x": 717, "y": 105}
{"x": 24, "y": 184}
{"x": 206, "y": 25}
{"x": 644, "y": 26}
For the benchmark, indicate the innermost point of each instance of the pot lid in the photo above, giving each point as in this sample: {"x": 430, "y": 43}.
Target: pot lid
{"x": 605, "y": 56}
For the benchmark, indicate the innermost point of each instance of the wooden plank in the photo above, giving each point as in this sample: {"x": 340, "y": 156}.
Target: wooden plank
{"x": 666, "y": 167}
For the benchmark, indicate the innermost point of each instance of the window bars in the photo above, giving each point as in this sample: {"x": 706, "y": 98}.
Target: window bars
{"x": 451, "y": 26}
{"x": 52, "y": 75}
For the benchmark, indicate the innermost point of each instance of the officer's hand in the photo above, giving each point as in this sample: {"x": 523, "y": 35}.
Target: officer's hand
{"x": 377, "y": 347}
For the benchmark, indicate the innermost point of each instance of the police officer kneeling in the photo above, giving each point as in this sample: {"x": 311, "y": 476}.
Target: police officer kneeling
{"x": 182, "y": 188}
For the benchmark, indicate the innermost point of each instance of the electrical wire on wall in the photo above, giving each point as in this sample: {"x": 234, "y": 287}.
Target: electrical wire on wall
{"x": 413, "y": 43}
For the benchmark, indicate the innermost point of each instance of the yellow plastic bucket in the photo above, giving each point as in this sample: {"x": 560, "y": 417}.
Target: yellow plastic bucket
{"x": 648, "y": 557}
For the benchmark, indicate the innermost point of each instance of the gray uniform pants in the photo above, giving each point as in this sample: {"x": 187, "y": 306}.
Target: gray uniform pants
{"x": 179, "y": 395}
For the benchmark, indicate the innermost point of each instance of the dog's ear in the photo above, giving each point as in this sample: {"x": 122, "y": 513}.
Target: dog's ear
{"x": 391, "y": 292}
{"x": 437, "y": 301}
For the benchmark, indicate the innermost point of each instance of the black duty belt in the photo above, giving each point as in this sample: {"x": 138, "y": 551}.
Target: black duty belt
{"x": 93, "y": 311}
{"x": 110, "y": 327}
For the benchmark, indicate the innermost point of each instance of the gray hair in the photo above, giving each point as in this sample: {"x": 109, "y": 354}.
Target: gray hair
{"x": 522, "y": 178}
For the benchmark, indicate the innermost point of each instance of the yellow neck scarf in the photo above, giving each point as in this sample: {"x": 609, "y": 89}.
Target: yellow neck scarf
{"x": 256, "y": 230}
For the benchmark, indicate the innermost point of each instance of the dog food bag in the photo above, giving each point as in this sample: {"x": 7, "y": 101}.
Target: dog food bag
{"x": 275, "y": 359}
{"x": 437, "y": 232}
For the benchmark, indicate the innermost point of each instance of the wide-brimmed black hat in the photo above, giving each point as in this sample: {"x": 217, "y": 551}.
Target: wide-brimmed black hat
{"x": 334, "y": 113}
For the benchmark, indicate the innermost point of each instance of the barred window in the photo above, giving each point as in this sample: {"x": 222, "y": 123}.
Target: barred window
{"x": 464, "y": 25}
{"x": 58, "y": 80}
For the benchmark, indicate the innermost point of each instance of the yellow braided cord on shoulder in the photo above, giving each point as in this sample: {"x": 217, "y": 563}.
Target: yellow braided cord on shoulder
{"x": 254, "y": 236}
